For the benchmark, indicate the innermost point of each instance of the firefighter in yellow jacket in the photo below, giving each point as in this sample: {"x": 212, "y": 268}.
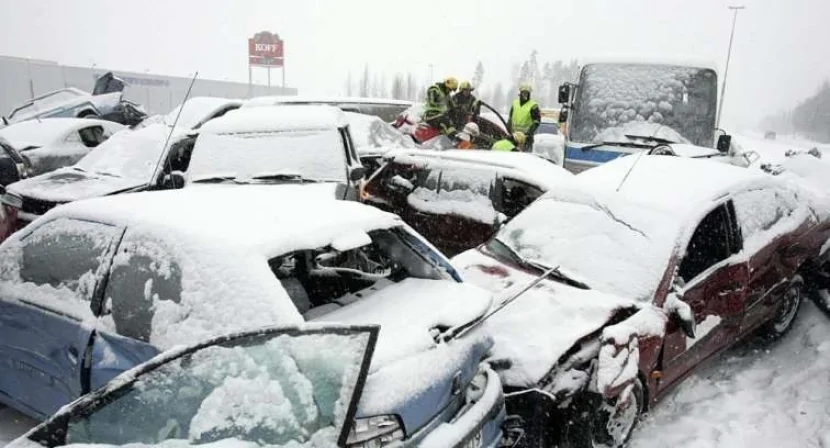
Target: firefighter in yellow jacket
{"x": 524, "y": 117}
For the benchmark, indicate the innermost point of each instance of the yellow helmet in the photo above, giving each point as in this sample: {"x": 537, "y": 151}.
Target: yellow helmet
{"x": 525, "y": 88}
{"x": 451, "y": 83}
{"x": 519, "y": 137}
{"x": 465, "y": 85}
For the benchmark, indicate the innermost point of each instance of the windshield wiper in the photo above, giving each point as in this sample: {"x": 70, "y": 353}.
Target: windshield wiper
{"x": 290, "y": 177}
{"x": 626, "y": 144}
{"x": 554, "y": 272}
{"x": 650, "y": 138}
{"x": 104, "y": 173}
{"x": 217, "y": 179}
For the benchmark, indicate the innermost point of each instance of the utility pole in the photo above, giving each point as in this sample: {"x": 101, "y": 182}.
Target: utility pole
{"x": 735, "y": 10}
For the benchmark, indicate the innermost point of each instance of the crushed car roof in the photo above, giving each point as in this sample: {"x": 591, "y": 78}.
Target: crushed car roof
{"x": 269, "y": 220}
{"x": 49, "y": 130}
{"x": 276, "y": 119}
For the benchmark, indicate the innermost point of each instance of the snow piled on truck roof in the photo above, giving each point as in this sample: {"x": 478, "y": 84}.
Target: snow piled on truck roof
{"x": 276, "y": 119}
{"x": 652, "y": 59}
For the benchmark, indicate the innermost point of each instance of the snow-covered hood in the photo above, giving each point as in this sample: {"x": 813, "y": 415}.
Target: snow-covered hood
{"x": 68, "y": 184}
{"x": 538, "y": 328}
{"x": 411, "y": 375}
{"x": 317, "y": 191}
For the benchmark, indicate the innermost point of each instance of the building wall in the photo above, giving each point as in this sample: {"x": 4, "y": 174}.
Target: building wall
{"x": 21, "y": 79}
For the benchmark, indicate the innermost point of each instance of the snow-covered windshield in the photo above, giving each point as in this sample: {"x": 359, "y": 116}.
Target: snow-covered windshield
{"x": 128, "y": 154}
{"x": 620, "y": 249}
{"x": 610, "y": 96}
{"x": 313, "y": 154}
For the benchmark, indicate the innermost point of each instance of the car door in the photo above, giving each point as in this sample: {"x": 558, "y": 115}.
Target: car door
{"x": 714, "y": 285}
{"x": 389, "y": 187}
{"x": 774, "y": 246}
{"x": 272, "y": 387}
{"x": 47, "y": 281}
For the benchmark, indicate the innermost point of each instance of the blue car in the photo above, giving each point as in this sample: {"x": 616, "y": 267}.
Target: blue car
{"x": 97, "y": 287}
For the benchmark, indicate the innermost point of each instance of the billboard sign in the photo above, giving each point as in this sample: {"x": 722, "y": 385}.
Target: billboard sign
{"x": 265, "y": 49}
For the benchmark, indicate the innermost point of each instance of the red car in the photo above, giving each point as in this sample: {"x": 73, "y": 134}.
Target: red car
{"x": 652, "y": 266}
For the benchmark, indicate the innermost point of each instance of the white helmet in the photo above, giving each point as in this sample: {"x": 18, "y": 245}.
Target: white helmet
{"x": 472, "y": 129}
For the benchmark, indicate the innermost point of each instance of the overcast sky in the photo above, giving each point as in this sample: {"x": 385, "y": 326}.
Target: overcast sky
{"x": 780, "y": 54}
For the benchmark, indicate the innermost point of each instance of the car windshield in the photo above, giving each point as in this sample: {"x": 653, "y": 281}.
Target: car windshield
{"x": 610, "y": 96}
{"x": 621, "y": 250}
{"x": 312, "y": 154}
{"x": 44, "y": 104}
{"x": 127, "y": 154}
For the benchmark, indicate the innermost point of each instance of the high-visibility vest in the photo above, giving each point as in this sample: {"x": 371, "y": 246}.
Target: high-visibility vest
{"x": 434, "y": 109}
{"x": 521, "y": 118}
{"x": 503, "y": 145}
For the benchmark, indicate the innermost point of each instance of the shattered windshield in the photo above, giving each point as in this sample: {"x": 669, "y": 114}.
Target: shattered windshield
{"x": 615, "y": 100}
{"x": 621, "y": 250}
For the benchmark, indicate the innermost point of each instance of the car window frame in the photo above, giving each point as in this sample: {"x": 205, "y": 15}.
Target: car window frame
{"x": 500, "y": 191}
{"x": 734, "y": 243}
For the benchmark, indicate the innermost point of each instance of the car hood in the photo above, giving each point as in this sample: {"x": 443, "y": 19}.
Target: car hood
{"x": 411, "y": 375}
{"x": 314, "y": 191}
{"x": 67, "y": 185}
{"x": 540, "y": 326}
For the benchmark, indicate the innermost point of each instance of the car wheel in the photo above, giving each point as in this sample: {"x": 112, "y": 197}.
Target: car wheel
{"x": 609, "y": 424}
{"x": 784, "y": 318}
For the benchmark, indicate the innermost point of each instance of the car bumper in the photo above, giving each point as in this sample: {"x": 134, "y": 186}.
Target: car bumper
{"x": 480, "y": 425}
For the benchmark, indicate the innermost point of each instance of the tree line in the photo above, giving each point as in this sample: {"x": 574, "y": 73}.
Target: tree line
{"x": 545, "y": 79}
{"x": 810, "y": 117}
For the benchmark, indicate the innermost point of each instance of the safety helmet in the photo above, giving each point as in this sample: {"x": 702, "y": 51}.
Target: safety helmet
{"x": 465, "y": 85}
{"x": 519, "y": 137}
{"x": 525, "y": 88}
{"x": 472, "y": 129}
{"x": 451, "y": 83}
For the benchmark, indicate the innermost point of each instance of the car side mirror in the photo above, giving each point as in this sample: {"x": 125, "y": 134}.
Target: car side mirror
{"x": 357, "y": 173}
{"x": 685, "y": 323}
{"x": 499, "y": 221}
{"x": 563, "y": 115}
{"x": 173, "y": 181}
{"x": 724, "y": 143}
{"x": 564, "y": 94}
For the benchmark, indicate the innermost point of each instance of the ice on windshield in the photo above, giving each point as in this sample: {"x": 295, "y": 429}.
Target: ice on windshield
{"x": 314, "y": 154}
{"x": 128, "y": 154}
{"x": 612, "y": 95}
{"x": 621, "y": 250}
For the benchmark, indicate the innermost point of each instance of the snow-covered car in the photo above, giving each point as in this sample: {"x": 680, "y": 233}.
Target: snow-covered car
{"x": 279, "y": 145}
{"x": 373, "y": 138}
{"x": 107, "y": 283}
{"x": 197, "y": 111}
{"x": 13, "y": 166}
{"x": 458, "y": 198}
{"x": 52, "y": 143}
{"x": 385, "y": 109}
{"x": 9, "y": 204}
{"x": 273, "y": 386}
{"x": 105, "y": 102}
{"x": 126, "y": 162}
{"x": 648, "y": 272}
{"x": 548, "y": 142}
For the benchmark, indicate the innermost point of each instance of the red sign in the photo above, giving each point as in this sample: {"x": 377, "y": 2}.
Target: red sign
{"x": 265, "y": 49}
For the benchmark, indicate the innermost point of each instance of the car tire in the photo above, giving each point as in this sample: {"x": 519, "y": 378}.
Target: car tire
{"x": 598, "y": 423}
{"x": 783, "y": 319}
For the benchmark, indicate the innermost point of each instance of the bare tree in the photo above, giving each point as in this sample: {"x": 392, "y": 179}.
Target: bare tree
{"x": 364, "y": 82}
{"x": 411, "y": 87}
{"x": 478, "y": 77}
{"x": 398, "y": 89}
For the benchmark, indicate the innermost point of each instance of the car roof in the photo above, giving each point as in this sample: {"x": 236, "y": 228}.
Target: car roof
{"x": 526, "y": 166}
{"x": 274, "y": 100}
{"x": 49, "y": 130}
{"x": 678, "y": 185}
{"x": 277, "y": 118}
{"x": 268, "y": 220}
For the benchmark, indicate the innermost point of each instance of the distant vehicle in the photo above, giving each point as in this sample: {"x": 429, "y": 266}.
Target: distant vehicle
{"x": 278, "y": 145}
{"x": 106, "y": 102}
{"x": 623, "y": 107}
{"x": 298, "y": 397}
{"x": 53, "y": 143}
{"x": 179, "y": 267}
{"x": 197, "y": 111}
{"x": 457, "y": 199}
{"x": 13, "y": 167}
{"x": 648, "y": 272}
{"x": 386, "y": 109}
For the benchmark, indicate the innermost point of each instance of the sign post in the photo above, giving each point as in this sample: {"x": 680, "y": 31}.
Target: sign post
{"x": 265, "y": 49}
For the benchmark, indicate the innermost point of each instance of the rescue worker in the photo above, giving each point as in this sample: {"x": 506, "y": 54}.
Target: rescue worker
{"x": 524, "y": 117}
{"x": 508, "y": 144}
{"x": 464, "y": 105}
{"x": 437, "y": 111}
{"x": 467, "y": 136}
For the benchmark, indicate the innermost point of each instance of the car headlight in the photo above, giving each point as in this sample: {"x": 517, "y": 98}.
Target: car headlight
{"x": 378, "y": 431}
{"x": 475, "y": 390}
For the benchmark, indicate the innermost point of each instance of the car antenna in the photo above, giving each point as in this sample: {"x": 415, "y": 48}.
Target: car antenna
{"x": 639, "y": 156}
{"x": 461, "y": 331}
{"x": 173, "y": 128}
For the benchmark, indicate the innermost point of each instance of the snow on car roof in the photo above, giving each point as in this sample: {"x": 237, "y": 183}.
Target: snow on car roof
{"x": 277, "y": 118}
{"x": 268, "y": 220}
{"x": 528, "y": 167}
{"x": 651, "y": 59}
{"x": 274, "y": 100}
{"x": 49, "y": 130}
{"x": 199, "y": 108}
{"x": 672, "y": 184}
